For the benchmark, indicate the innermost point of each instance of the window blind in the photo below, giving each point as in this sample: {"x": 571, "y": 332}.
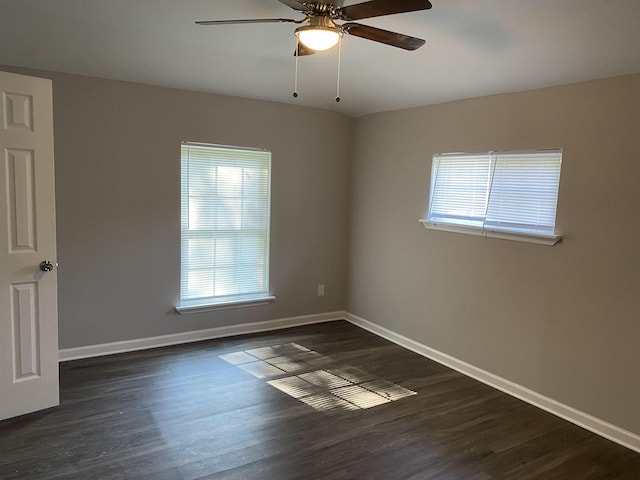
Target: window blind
{"x": 224, "y": 224}
{"x": 524, "y": 192}
{"x": 513, "y": 192}
{"x": 459, "y": 189}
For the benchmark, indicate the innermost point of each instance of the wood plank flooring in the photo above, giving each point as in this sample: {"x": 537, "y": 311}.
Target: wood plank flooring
{"x": 184, "y": 413}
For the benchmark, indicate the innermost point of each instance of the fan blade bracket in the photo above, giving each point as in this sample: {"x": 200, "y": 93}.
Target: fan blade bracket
{"x": 379, "y": 8}
{"x": 303, "y": 51}
{"x": 379, "y": 35}
{"x": 248, "y": 21}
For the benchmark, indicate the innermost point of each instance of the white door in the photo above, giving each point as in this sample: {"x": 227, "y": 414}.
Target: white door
{"x": 28, "y": 294}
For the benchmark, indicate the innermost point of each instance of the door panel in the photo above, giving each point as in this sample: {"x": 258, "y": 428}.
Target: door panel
{"x": 25, "y": 330}
{"x": 28, "y": 295}
{"x": 21, "y": 201}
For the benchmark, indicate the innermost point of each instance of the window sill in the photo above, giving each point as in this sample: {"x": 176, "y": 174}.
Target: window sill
{"x": 549, "y": 240}
{"x": 187, "y": 309}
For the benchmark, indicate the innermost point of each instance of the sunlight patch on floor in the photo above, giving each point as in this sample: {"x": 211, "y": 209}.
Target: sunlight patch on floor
{"x": 344, "y": 387}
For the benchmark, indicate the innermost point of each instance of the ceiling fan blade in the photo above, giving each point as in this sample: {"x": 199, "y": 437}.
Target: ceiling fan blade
{"x": 383, "y": 36}
{"x": 303, "y": 51}
{"x": 300, "y": 6}
{"x": 378, "y": 8}
{"x": 248, "y": 20}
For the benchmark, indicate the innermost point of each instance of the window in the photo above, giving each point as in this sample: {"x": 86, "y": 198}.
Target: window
{"x": 501, "y": 194}
{"x": 224, "y": 227}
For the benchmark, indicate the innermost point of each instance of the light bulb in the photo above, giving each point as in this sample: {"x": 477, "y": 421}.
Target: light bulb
{"x": 318, "y": 38}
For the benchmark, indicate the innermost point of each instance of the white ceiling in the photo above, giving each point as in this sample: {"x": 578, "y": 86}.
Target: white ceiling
{"x": 474, "y": 47}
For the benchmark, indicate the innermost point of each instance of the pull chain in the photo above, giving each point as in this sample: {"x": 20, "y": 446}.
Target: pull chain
{"x": 339, "y": 64}
{"x": 295, "y": 82}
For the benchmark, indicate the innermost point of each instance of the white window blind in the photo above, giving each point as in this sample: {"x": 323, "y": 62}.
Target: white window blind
{"x": 496, "y": 193}
{"x": 224, "y": 224}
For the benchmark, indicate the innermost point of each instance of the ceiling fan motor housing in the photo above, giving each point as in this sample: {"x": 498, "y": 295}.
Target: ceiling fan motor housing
{"x": 319, "y": 22}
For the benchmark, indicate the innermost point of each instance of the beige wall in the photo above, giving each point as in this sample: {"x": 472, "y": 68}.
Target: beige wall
{"x": 564, "y": 320}
{"x": 117, "y": 152}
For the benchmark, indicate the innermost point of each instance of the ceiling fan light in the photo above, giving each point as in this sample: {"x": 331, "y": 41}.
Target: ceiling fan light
{"x": 318, "y": 38}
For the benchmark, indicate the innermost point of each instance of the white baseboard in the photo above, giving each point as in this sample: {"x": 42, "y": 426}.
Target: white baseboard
{"x": 194, "y": 336}
{"x": 584, "y": 420}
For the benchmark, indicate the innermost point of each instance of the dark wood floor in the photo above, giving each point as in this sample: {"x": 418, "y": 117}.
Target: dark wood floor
{"x": 183, "y": 413}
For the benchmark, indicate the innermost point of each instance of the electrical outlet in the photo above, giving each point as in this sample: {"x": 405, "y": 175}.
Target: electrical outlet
{"x": 321, "y": 290}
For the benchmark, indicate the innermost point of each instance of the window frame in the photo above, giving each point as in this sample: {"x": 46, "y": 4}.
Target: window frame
{"x": 478, "y": 225}
{"x": 219, "y": 302}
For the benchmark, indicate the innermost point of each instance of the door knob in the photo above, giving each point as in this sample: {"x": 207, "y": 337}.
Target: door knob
{"x": 46, "y": 266}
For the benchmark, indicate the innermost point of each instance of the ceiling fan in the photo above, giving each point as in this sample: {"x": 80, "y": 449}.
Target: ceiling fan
{"x": 320, "y": 32}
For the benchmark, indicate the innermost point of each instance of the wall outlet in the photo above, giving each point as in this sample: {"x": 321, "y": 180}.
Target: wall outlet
{"x": 321, "y": 290}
